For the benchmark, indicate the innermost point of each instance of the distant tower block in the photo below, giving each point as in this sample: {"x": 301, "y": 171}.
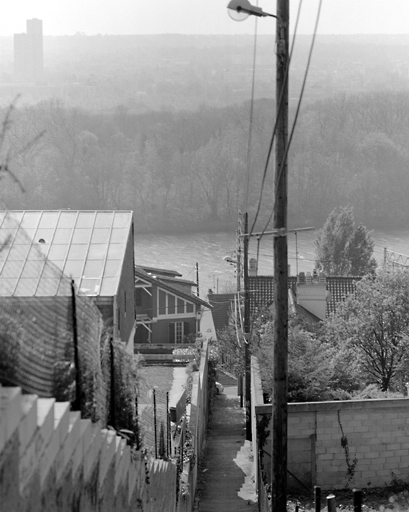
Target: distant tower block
{"x": 28, "y": 53}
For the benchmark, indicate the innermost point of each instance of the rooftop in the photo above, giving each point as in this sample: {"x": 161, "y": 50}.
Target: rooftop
{"x": 37, "y": 247}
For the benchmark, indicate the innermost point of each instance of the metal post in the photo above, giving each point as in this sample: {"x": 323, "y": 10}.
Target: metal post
{"x": 77, "y": 404}
{"x": 357, "y": 500}
{"x": 154, "y": 423}
{"x": 279, "y": 402}
{"x": 331, "y": 503}
{"x": 246, "y": 328}
{"x": 317, "y": 498}
{"x": 112, "y": 354}
{"x": 167, "y": 425}
{"x": 197, "y": 278}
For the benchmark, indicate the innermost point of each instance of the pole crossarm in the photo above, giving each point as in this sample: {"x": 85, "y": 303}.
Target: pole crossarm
{"x": 276, "y": 232}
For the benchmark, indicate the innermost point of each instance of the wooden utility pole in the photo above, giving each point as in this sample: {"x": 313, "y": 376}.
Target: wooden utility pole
{"x": 279, "y": 401}
{"x": 246, "y": 326}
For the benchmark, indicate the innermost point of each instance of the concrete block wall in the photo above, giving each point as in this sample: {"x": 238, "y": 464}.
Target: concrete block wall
{"x": 325, "y": 439}
{"x": 376, "y": 433}
{"x": 51, "y": 459}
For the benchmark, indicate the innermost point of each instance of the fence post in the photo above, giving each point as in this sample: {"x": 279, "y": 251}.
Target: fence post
{"x": 112, "y": 354}
{"x": 331, "y": 504}
{"x": 154, "y": 423}
{"x": 77, "y": 403}
{"x": 167, "y": 425}
{"x": 357, "y": 500}
{"x": 317, "y": 498}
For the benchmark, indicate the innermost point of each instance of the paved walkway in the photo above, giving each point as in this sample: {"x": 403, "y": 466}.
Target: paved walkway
{"x": 225, "y": 480}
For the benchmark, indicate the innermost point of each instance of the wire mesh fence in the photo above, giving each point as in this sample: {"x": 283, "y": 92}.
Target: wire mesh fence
{"x": 50, "y": 337}
{"x": 153, "y": 407}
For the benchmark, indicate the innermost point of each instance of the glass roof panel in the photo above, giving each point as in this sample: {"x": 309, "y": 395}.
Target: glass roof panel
{"x": 119, "y": 235}
{"x": 67, "y": 219}
{"x": 35, "y": 253}
{"x": 49, "y": 219}
{"x": 116, "y": 251}
{"x": 4, "y": 252}
{"x": 13, "y": 218}
{"x": 64, "y": 288}
{"x": 85, "y": 220}
{"x": 122, "y": 219}
{"x": 104, "y": 219}
{"x": 112, "y": 268}
{"x": 44, "y": 234}
{"x": 51, "y": 270}
{"x": 100, "y": 235}
{"x": 26, "y": 287}
{"x": 81, "y": 236}
{"x": 77, "y": 252}
{"x": 12, "y": 268}
{"x": 30, "y": 220}
{"x": 7, "y": 286}
{"x": 19, "y": 252}
{"x": 90, "y": 286}
{"x": 97, "y": 251}
{"x": 109, "y": 286}
{"x": 47, "y": 287}
{"x": 2, "y": 215}
{"x": 74, "y": 268}
{"x": 33, "y": 268}
{"x": 7, "y": 234}
{"x": 25, "y": 235}
{"x": 43, "y": 249}
{"x": 58, "y": 252}
{"x": 93, "y": 268}
{"x": 62, "y": 236}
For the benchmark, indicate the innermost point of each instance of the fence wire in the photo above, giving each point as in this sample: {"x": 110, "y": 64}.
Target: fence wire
{"x": 153, "y": 406}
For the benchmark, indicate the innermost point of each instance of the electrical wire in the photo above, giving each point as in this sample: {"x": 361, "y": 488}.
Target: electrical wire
{"x": 297, "y": 111}
{"x": 280, "y": 105}
{"x": 251, "y": 113}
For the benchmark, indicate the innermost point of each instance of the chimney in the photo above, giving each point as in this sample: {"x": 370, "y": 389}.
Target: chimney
{"x": 312, "y": 293}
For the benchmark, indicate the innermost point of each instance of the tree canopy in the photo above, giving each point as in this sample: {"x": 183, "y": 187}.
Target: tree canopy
{"x": 374, "y": 323}
{"x": 342, "y": 248}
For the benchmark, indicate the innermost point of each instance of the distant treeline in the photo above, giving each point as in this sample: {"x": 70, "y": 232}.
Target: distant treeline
{"x": 185, "y": 170}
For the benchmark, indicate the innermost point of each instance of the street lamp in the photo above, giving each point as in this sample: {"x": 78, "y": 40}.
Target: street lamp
{"x": 239, "y": 10}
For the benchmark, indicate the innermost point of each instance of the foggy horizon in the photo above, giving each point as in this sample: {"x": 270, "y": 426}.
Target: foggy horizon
{"x": 338, "y": 17}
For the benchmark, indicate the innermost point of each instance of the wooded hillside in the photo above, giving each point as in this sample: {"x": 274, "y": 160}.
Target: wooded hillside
{"x": 187, "y": 170}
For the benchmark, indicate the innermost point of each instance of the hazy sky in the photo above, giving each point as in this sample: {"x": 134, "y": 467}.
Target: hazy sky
{"x": 198, "y": 16}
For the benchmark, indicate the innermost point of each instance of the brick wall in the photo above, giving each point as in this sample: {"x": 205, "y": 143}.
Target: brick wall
{"x": 51, "y": 459}
{"x": 325, "y": 439}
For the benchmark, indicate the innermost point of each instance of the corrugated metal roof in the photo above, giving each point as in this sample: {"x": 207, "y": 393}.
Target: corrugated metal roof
{"x": 36, "y": 247}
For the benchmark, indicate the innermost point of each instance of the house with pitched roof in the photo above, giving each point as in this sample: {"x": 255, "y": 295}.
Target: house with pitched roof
{"x": 93, "y": 248}
{"x": 167, "y": 311}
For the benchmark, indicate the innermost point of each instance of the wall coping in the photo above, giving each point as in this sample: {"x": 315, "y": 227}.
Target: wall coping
{"x": 376, "y": 403}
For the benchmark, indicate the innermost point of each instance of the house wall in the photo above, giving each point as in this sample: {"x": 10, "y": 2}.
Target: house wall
{"x": 51, "y": 459}
{"x": 125, "y": 299}
{"x": 325, "y": 438}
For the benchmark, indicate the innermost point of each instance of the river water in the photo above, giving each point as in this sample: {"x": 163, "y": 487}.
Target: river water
{"x": 182, "y": 252}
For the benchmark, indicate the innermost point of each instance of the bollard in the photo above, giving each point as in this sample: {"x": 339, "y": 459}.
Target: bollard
{"x": 317, "y": 498}
{"x": 331, "y": 505}
{"x": 357, "y": 500}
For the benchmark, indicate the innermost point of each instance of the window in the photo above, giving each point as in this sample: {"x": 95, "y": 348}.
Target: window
{"x": 180, "y": 306}
{"x": 178, "y": 332}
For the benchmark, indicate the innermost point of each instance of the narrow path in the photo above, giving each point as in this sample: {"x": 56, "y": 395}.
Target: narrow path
{"x": 225, "y": 482}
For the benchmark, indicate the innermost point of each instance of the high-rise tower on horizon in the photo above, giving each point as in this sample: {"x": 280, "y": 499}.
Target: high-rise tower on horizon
{"x": 28, "y": 52}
